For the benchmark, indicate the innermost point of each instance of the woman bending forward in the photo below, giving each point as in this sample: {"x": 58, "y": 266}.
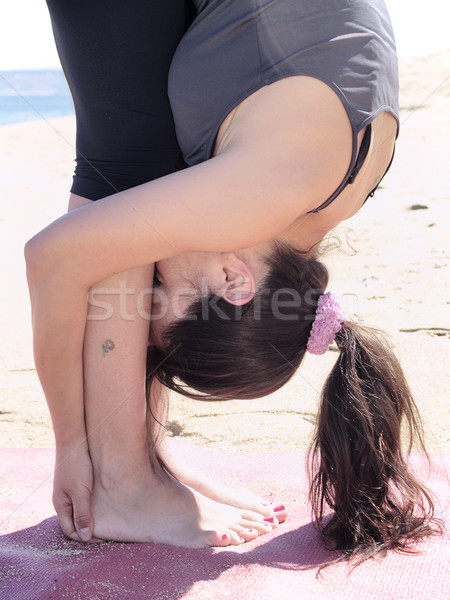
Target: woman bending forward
{"x": 287, "y": 116}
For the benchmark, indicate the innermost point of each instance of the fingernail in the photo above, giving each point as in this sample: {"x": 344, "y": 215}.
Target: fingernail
{"x": 269, "y": 519}
{"x": 278, "y": 508}
{"x": 85, "y": 533}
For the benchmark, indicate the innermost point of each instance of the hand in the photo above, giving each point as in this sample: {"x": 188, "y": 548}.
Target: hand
{"x": 72, "y": 487}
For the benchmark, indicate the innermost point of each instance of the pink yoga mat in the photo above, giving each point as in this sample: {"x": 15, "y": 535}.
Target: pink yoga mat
{"x": 38, "y": 563}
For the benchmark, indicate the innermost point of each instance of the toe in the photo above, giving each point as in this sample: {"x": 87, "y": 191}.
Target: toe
{"x": 236, "y": 538}
{"x": 272, "y": 522}
{"x": 218, "y": 538}
{"x": 261, "y": 527}
{"x": 249, "y": 534}
{"x": 266, "y": 510}
{"x": 224, "y": 538}
{"x": 280, "y": 512}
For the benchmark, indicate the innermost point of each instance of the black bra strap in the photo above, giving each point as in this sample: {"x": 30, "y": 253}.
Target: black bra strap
{"x": 363, "y": 150}
{"x": 362, "y": 154}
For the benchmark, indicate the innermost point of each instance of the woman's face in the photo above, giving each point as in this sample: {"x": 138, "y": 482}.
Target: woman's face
{"x": 182, "y": 279}
{"x": 178, "y": 282}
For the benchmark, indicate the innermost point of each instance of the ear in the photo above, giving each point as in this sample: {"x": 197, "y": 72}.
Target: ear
{"x": 240, "y": 283}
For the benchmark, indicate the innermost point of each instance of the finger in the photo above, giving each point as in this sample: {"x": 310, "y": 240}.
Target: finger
{"x": 82, "y": 517}
{"x": 64, "y": 510}
{"x": 74, "y": 537}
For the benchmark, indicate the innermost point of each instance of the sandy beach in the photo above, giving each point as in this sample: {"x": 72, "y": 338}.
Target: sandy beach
{"x": 391, "y": 270}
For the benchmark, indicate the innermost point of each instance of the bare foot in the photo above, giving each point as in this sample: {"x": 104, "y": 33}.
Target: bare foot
{"x": 214, "y": 490}
{"x": 156, "y": 508}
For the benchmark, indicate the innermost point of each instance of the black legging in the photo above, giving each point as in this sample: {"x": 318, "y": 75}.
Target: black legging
{"x": 116, "y": 56}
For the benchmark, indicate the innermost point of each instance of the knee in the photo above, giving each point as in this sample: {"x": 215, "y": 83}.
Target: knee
{"x": 33, "y": 253}
{"x": 39, "y": 255}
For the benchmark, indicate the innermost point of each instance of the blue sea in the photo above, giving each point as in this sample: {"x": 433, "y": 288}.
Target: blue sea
{"x": 33, "y": 95}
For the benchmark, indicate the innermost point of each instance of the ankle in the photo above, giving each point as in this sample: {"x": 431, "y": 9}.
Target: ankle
{"x": 113, "y": 480}
{"x": 118, "y": 472}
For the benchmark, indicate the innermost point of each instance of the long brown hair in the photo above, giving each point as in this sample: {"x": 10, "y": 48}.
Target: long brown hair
{"x": 357, "y": 467}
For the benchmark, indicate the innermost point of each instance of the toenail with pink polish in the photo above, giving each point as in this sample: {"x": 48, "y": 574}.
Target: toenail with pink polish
{"x": 279, "y": 508}
{"x": 269, "y": 519}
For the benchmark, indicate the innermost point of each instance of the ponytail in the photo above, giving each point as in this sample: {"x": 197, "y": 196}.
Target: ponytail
{"x": 360, "y": 470}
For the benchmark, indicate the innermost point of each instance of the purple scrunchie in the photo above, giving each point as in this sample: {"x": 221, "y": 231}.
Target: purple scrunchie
{"x": 328, "y": 321}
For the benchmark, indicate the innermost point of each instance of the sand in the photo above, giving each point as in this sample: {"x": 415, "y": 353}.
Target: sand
{"x": 391, "y": 270}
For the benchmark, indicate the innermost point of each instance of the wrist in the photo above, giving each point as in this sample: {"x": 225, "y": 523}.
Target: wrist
{"x": 67, "y": 417}
{"x": 67, "y": 446}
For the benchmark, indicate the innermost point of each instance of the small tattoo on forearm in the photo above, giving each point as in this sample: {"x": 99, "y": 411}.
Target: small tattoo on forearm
{"x": 107, "y": 346}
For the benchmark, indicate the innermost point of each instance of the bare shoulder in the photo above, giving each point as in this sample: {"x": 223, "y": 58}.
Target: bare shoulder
{"x": 279, "y": 154}
{"x": 298, "y": 123}
{"x": 376, "y": 163}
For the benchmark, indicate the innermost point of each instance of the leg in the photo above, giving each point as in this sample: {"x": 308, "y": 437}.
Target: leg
{"x": 116, "y": 57}
{"x": 111, "y": 145}
{"x": 114, "y": 379}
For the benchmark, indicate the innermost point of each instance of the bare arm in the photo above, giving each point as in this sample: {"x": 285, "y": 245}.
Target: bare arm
{"x": 60, "y": 372}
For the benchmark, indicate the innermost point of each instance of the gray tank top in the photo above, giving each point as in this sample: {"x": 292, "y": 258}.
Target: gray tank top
{"x": 235, "y": 47}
